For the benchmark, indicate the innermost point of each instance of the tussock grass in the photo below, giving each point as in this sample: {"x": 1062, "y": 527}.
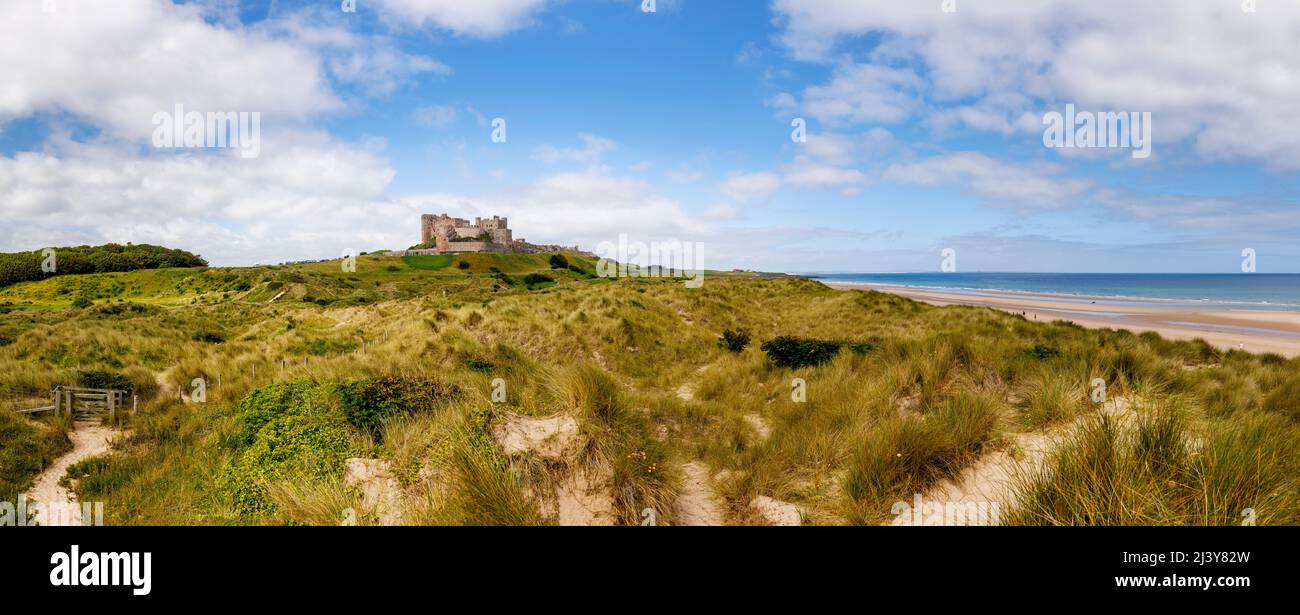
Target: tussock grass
{"x": 1161, "y": 471}
{"x": 935, "y": 389}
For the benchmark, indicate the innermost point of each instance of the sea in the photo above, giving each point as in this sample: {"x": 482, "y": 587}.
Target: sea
{"x": 1218, "y": 291}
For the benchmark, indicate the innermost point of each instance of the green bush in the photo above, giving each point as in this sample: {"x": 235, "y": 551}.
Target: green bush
{"x": 735, "y": 340}
{"x": 462, "y": 264}
{"x": 209, "y": 337}
{"x": 287, "y": 430}
{"x": 559, "y": 262}
{"x": 862, "y": 347}
{"x": 97, "y": 379}
{"x": 1040, "y": 351}
{"x": 788, "y": 351}
{"x": 366, "y": 403}
{"x": 479, "y": 365}
{"x": 535, "y": 279}
{"x": 82, "y": 302}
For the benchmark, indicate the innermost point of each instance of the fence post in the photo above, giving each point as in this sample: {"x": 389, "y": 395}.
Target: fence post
{"x": 112, "y": 405}
{"x": 135, "y": 404}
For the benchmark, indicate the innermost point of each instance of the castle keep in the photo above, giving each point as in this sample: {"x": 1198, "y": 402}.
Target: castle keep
{"x": 447, "y": 234}
{"x": 443, "y": 234}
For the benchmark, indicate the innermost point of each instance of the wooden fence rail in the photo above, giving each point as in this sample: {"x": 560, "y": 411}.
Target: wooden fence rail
{"x": 80, "y": 402}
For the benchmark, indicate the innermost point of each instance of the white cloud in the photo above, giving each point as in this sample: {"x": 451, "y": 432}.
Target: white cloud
{"x": 1026, "y": 186}
{"x": 862, "y": 93}
{"x": 1218, "y": 78}
{"x": 845, "y": 149}
{"x": 115, "y": 64}
{"x": 806, "y": 172}
{"x": 436, "y": 116}
{"x": 474, "y": 18}
{"x": 746, "y": 187}
{"x": 593, "y": 147}
{"x": 306, "y": 196}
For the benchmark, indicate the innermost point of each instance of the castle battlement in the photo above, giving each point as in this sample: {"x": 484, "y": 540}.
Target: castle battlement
{"x": 450, "y": 234}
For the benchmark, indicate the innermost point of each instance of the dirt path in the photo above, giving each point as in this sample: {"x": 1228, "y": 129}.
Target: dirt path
{"x": 696, "y": 505}
{"x": 89, "y": 439}
{"x": 993, "y": 478}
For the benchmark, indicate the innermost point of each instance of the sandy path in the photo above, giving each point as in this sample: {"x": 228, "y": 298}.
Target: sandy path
{"x": 1255, "y": 331}
{"x": 993, "y": 477}
{"x": 89, "y": 439}
{"x": 696, "y": 504}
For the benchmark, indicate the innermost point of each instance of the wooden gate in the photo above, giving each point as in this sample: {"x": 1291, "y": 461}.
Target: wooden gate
{"x": 82, "y": 403}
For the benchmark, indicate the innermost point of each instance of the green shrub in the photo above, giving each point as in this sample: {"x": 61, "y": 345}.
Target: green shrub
{"x": 462, "y": 265}
{"x": 862, "y": 347}
{"x": 366, "y": 403}
{"x": 209, "y": 337}
{"x": 536, "y": 279}
{"x": 82, "y": 303}
{"x": 559, "y": 262}
{"x": 735, "y": 340}
{"x": 479, "y": 365}
{"x": 787, "y": 351}
{"x": 1040, "y": 351}
{"x": 97, "y": 379}
{"x": 287, "y": 430}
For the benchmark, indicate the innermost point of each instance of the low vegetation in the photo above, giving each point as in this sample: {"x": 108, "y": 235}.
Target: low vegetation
{"x": 418, "y": 363}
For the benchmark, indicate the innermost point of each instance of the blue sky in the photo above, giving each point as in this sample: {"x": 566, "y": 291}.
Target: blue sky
{"x": 924, "y": 129}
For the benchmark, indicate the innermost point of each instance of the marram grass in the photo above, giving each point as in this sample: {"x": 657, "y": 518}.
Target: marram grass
{"x": 915, "y": 395}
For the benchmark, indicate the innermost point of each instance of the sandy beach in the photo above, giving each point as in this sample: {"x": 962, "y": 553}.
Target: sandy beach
{"x": 1254, "y": 331}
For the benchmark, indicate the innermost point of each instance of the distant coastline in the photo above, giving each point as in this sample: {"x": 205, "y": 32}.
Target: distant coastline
{"x": 1193, "y": 291}
{"x": 1253, "y": 329}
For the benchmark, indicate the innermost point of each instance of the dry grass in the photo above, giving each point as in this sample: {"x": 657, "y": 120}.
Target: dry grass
{"x": 938, "y": 388}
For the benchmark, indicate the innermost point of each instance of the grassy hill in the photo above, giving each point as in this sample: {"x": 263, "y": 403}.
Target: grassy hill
{"x": 403, "y": 360}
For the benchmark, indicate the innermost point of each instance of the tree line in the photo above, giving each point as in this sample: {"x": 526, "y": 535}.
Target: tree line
{"x": 27, "y": 266}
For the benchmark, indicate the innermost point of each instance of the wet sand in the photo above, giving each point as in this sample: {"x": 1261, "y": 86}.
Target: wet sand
{"x": 1254, "y": 331}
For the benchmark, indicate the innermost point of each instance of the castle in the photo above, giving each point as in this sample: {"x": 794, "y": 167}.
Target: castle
{"x": 443, "y": 234}
{"x": 447, "y": 234}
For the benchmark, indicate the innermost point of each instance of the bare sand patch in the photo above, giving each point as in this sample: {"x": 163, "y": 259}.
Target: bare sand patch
{"x": 696, "y": 504}
{"x": 380, "y": 491}
{"x": 548, "y": 437}
{"x": 993, "y": 477}
{"x": 89, "y": 439}
{"x": 776, "y": 512}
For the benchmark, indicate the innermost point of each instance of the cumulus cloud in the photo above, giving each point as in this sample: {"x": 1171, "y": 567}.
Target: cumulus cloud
{"x": 115, "y": 64}
{"x": 436, "y": 116}
{"x": 474, "y": 18}
{"x": 593, "y": 147}
{"x": 1025, "y": 186}
{"x": 1214, "y": 76}
{"x": 862, "y": 93}
{"x": 747, "y": 187}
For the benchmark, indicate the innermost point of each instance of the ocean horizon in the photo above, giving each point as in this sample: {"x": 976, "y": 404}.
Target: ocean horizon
{"x": 1239, "y": 291}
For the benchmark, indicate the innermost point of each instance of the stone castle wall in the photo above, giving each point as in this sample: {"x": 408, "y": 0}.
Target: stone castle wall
{"x": 441, "y": 229}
